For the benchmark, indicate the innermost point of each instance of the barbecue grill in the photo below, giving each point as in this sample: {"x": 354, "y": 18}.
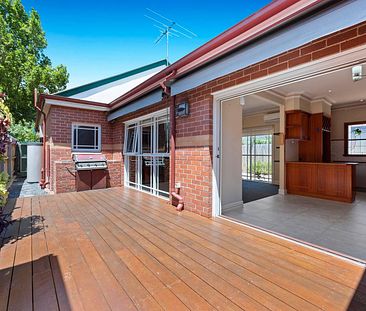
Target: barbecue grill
{"x": 90, "y": 171}
{"x": 90, "y": 162}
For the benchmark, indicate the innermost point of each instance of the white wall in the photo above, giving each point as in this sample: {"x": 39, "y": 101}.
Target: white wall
{"x": 231, "y": 157}
{"x": 339, "y": 117}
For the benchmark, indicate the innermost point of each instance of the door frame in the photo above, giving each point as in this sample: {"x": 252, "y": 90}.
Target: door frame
{"x": 305, "y": 71}
{"x": 154, "y": 174}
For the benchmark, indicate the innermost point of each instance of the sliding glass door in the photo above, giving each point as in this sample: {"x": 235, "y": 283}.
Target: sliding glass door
{"x": 257, "y": 157}
{"x": 146, "y": 154}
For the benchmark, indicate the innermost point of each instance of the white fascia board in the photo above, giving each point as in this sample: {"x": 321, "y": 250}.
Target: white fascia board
{"x": 62, "y": 103}
{"x": 339, "y": 16}
{"x": 144, "y": 102}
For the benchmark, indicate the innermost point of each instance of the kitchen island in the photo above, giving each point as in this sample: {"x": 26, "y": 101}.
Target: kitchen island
{"x": 332, "y": 181}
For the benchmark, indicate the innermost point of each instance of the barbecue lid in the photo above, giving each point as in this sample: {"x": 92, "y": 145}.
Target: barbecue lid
{"x": 88, "y": 157}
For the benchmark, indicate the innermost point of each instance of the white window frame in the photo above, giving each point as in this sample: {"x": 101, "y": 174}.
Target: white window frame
{"x": 135, "y": 139}
{"x": 83, "y": 150}
{"x": 154, "y": 178}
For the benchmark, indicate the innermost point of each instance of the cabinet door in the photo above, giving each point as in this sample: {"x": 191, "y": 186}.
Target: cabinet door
{"x": 297, "y": 125}
{"x": 300, "y": 178}
{"x": 99, "y": 179}
{"x": 83, "y": 180}
{"x": 304, "y": 126}
{"x": 333, "y": 181}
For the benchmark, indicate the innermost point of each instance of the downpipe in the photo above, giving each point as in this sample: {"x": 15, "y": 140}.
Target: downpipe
{"x": 177, "y": 199}
{"x": 43, "y": 183}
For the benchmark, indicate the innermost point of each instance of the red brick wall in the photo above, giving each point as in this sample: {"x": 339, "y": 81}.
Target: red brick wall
{"x": 59, "y": 122}
{"x": 194, "y": 172}
{"x": 61, "y": 119}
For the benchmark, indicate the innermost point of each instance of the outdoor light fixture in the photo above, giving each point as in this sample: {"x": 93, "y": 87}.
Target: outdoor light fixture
{"x": 242, "y": 101}
{"x": 182, "y": 109}
{"x": 357, "y": 73}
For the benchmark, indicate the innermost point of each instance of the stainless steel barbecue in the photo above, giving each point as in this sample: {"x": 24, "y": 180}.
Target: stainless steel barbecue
{"x": 91, "y": 171}
{"x": 90, "y": 162}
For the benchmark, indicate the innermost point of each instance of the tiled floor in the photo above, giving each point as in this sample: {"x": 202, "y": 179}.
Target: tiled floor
{"x": 333, "y": 225}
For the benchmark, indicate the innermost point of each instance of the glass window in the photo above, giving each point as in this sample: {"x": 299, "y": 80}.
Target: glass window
{"x": 86, "y": 138}
{"x": 257, "y": 157}
{"x": 163, "y": 137}
{"x": 146, "y": 173}
{"x": 132, "y": 170}
{"x": 146, "y": 139}
{"x": 147, "y": 154}
{"x": 163, "y": 173}
{"x": 355, "y": 142}
{"x": 131, "y": 140}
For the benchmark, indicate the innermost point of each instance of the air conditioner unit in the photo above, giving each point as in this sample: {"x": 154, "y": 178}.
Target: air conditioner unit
{"x": 271, "y": 117}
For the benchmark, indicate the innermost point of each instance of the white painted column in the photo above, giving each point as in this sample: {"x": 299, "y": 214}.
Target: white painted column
{"x": 231, "y": 155}
{"x": 282, "y": 189}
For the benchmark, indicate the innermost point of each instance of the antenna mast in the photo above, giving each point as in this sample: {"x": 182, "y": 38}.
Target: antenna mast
{"x": 167, "y": 28}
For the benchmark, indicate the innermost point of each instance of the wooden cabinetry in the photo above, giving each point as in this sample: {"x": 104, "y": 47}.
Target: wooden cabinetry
{"x": 317, "y": 148}
{"x": 297, "y": 125}
{"x": 333, "y": 181}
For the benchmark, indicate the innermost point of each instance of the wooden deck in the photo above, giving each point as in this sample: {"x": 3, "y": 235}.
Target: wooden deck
{"x": 123, "y": 250}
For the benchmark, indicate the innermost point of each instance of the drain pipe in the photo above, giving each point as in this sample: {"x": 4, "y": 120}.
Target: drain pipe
{"x": 176, "y": 197}
{"x": 43, "y": 183}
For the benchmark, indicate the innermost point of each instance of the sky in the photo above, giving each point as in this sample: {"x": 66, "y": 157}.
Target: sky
{"x": 98, "y": 39}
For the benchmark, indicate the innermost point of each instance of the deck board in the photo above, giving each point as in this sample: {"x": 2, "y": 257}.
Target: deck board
{"x": 119, "y": 249}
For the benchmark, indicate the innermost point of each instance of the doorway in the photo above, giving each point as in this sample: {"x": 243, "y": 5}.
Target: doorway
{"x": 335, "y": 226}
{"x": 146, "y": 154}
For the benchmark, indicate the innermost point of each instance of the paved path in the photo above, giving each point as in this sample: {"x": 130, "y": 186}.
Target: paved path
{"x": 21, "y": 188}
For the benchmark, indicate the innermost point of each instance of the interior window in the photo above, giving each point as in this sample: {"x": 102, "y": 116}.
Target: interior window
{"x": 355, "y": 139}
{"x": 86, "y": 138}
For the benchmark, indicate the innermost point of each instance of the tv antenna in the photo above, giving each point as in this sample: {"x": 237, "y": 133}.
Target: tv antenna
{"x": 168, "y": 28}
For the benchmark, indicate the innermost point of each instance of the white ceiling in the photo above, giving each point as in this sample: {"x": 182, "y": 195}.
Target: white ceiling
{"x": 258, "y": 104}
{"x": 337, "y": 87}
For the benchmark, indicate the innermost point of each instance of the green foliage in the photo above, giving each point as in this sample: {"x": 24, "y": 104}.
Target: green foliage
{"x": 262, "y": 140}
{"x": 4, "y": 179}
{"x": 5, "y": 112}
{"x": 24, "y": 131}
{"x": 23, "y": 64}
{"x": 5, "y": 120}
{"x": 261, "y": 168}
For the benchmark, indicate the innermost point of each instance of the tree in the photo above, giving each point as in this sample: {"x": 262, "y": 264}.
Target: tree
{"x": 23, "y": 64}
{"x": 5, "y": 120}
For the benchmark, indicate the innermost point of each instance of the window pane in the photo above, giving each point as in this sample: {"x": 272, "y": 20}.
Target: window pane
{"x": 147, "y": 164}
{"x": 357, "y": 131}
{"x": 163, "y": 171}
{"x": 163, "y": 138}
{"x": 132, "y": 169}
{"x": 146, "y": 133}
{"x": 257, "y": 157}
{"x": 357, "y": 139}
{"x": 131, "y": 133}
{"x": 86, "y": 138}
